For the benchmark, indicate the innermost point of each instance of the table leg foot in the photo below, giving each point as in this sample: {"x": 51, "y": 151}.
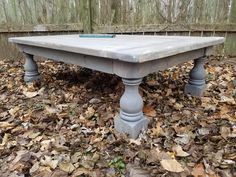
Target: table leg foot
{"x": 31, "y": 69}
{"x": 131, "y": 119}
{"x": 197, "y": 84}
{"x": 131, "y": 128}
{"x": 195, "y": 90}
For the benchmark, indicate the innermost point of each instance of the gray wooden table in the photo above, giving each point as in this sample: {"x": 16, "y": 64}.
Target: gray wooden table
{"x": 129, "y": 56}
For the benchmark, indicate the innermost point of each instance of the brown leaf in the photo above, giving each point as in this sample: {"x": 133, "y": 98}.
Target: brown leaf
{"x": 183, "y": 138}
{"x": 51, "y": 110}
{"x": 81, "y": 171}
{"x": 178, "y": 106}
{"x": 34, "y": 168}
{"x": 29, "y": 94}
{"x": 5, "y": 139}
{"x": 75, "y": 157}
{"x": 6, "y": 125}
{"x": 225, "y": 132}
{"x": 157, "y": 130}
{"x": 133, "y": 141}
{"x": 49, "y": 161}
{"x": 45, "y": 145}
{"x": 138, "y": 172}
{"x": 13, "y": 111}
{"x": 149, "y": 111}
{"x": 226, "y": 99}
{"x": 171, "y": 165}
{"x": 198, "y": 171}
{"x": 67, "y": 167}
{"x": 156, "y": 155}
{"x": 89, "y": 112}
{"x": 179, "y": 151}
{"x": 22, "y": 156}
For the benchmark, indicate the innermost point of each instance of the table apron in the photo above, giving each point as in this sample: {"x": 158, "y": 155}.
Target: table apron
{"x": 115, "y": 66}
{"x": 138, "y": 70}
{"x": 87, "y": 61}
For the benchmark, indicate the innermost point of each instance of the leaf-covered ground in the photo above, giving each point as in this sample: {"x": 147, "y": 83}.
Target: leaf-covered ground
{"x": 64, "y": 125}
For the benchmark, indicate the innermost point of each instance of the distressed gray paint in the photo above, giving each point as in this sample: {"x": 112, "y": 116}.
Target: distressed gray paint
{"x": 128, "y": 48}
{"x": 130, "y": 57}
{"x": 131, "y": 119}
{"x": 31, "y": 69}
{"x": 197, "y": 79}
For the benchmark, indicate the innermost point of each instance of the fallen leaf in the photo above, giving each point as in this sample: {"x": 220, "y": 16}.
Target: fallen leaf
{"x": 149, "y": 111}
{"x": 152, "y": 83}
{"x": 178, "y": 106}
{"x": 59, "y": 173}
{"x": 229, "y": 100}
{"x": 6, "y": 125}
{"x": 228, "y": 162}
{"x": 51, "y": 110}
{"x": 172, "y": 165}
{"x": 43, "y": 171}
{"x": 156, "y": 155}
{"x": 133, "y": 141}
{"x": 75, "y": 157}
{"x": 225, "y": 132}
{"x": 179, "y": 151}
{"x": 138, "y": 172}
{"x": 34, "y": 168}
{"x": 59, "y": 147}
{"x": 13, "y": 111}
{"x": 34, "y": 135}
{"x": 182, "y": 138}
{"x": 157, "y": 130}
{"x": 29, "y": 94}
{"x": 218, "y": 156}
{"x": 94, "y": 101}
{"x": 203, "y": 131}
{"x": 49, "y": 161}
{"x": 198, "y": 170}
{"x": 81, "y": 171}
{"x": 5, "y": 139}
{"x": 45, "y": 145}
{"x": 67, "y": 167}
{"x": 74, "y": 126}
{"x": 224, "y": 109}
{"x": 23, "y": 156}
{"x": 89, "y": 112}
{"x": 89, "y": 161}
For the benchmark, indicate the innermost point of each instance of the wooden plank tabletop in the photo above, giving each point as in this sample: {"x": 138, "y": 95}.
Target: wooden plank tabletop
{"x": 129, "y": 48}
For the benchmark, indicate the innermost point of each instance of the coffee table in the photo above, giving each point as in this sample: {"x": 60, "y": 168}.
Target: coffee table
{"x": 131, "y": 57}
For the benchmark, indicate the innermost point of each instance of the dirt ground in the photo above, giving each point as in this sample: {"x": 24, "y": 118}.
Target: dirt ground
{"x": 64, "y": 125}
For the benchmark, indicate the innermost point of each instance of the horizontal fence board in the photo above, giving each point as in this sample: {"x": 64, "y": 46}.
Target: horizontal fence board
{"x": 42, "y": 28}
{"x": 166, "y": 27}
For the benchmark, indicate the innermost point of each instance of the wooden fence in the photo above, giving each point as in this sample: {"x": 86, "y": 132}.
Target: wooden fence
{"x": 164, "y": 17}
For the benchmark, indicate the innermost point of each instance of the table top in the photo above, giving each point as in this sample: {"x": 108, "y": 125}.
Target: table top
{"x": 129, "y": 48}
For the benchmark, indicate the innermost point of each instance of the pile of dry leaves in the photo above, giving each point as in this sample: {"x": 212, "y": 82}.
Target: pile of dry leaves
{"x": 64, "y": 126}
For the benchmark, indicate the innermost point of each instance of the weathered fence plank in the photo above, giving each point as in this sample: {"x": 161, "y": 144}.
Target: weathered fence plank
{"x": 232, "y": 12}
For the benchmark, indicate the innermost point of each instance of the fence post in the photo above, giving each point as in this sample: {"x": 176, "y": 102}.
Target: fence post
{"x": 232, "y": 18}
{"x": 86, "y": 16}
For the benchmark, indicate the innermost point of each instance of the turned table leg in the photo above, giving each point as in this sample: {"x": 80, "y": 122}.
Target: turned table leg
{"x": 197, "y": 84}
{"x": 131, "y": 119}
{"x": 31, "y": 69}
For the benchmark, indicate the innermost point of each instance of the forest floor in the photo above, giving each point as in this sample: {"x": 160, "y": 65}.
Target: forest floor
{"x": 64, "y": 125}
